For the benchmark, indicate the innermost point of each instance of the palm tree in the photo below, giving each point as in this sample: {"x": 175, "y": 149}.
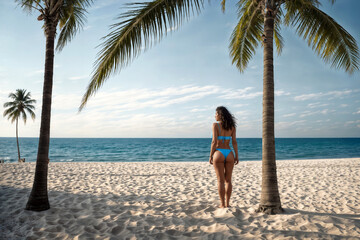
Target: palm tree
{"x": 69, "y": 16}
{"x": 16, "y": 109}
{"x": 259, "y": 22}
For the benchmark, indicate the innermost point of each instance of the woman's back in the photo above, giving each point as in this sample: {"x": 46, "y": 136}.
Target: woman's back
{"x": 224, "y": 137}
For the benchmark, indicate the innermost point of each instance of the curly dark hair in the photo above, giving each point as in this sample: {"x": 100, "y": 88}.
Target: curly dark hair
{"x": 227, "y": 119}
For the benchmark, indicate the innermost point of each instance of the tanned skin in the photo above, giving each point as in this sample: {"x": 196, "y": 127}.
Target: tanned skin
{"x": 223, "y": 170}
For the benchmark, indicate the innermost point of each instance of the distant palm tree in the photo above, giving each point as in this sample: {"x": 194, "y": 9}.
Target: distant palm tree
{"x": 259, "y": 23}
{"x": 69, "y": 15}
{"x": 16, "y": 109}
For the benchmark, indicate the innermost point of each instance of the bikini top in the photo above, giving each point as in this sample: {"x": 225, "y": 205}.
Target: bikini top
{"x": 223, "y": 137}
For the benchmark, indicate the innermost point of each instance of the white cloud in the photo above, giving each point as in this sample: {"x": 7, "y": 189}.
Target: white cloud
{"x": 333, "y": 94}
{"x": 323, "y": 121}
{"x": 306, "y": 97}
{"x": 240, "y": 105}
{"x": 36, "y": 72}
{"x": 66, "y": 102}
{"x": 198, "y": 110}
{"x": 337, "y": 94}
{"x": 317, "y": 105}
{"x": 281, "y": 93}
{"x": 307, "y": 113}
{"x": 240, "y": 93}
{"x": 254, "y": 67}
{"x": 289, "y": 115}
{"x": 79, "y": 77}
{"x": 150, "y": 112}
{"x": 135, "y": 99}
{"x": 242, "y": 113}
{"x": 326, "y": 111}
{"x": 310, "y": 113}
{"x": 96, "y": 124}
{"x": 348, "y": 123}
{"x": 138, "y": 113}
{"x": 285, "y": 125}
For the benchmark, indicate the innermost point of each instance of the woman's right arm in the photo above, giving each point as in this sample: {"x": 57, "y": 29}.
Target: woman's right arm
{"x": 234, "y": 143}
{"x": 213, "y": 143}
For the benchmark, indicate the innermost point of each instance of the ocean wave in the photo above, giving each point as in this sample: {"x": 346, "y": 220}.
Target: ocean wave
{"x": 64, "y": 160}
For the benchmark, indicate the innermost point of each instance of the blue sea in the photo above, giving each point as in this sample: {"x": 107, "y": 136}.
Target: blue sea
{"x": 174, "y": 149}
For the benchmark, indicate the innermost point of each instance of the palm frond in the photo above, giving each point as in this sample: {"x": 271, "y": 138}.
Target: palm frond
{"x": 279, "y": 40}
{"x": 82, "y": 3}
{"x": 28, "y": 106}
{"x": 247, "y": 34}
{"x": 27, "y": 95}
{"x": 144, "y": 24}
{"x": 9, "y": 104}
{"x": 13, "y": 96}
{"x": 13, "y": 116}
{"x": 327, "y": 38}
{"x": 24, "y": 116}
{"x": 72, "y": 20}
{"x": 22, "y": 102}
{"x": 30, "y": 5}
{"x": 32, "y": 114}
{"x": 9, "y": 111}
{"x": 292, "y": 7}
{"x": 29, "y": 101}
{"x": 223, "y": 5}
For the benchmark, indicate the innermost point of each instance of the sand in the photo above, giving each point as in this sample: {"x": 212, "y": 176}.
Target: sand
{"x": 153, "y": 200}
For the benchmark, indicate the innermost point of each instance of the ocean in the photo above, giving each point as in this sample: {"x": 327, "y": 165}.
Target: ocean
{"x": 174, "y": 149}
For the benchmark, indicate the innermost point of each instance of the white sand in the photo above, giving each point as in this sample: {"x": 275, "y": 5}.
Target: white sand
{"x": 177, "y": 201}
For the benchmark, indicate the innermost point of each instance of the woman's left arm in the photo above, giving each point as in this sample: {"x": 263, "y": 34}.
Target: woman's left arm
{"x": 213, "y": 143}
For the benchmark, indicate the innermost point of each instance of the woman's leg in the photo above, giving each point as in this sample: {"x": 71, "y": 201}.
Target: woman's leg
{"x": 229, "y": 166}
{"x": 219, "y": 169}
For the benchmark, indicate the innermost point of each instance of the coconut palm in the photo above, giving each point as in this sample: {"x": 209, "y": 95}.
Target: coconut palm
{"x": 17, "y": 108}
{"x": 69, "y": 16}
{"x": 259, "y": 23}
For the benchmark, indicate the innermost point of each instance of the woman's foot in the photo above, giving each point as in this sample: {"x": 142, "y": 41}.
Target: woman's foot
{"x": 221, "y": 206}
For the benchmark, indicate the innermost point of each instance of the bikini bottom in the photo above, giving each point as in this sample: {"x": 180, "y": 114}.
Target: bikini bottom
{"x": 224, "y": 152}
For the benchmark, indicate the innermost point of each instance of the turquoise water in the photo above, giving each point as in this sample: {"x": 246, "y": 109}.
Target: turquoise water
{"x": 174, "y": 149}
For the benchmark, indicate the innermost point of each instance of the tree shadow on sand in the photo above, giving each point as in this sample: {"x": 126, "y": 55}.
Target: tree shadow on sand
{"x": 317, "y": 225}
{"x": 112, "y": 216}
{"x": 122, "y": 215}
{"x": 337, "y": 215}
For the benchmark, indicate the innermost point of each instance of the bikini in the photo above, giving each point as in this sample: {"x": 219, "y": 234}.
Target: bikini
{"x": 224, "y": 151}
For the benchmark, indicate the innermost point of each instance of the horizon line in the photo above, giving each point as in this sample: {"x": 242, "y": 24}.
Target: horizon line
{"x": 175, "y": 137}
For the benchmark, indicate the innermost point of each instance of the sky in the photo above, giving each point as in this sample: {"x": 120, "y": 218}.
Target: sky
{"x": 172, "y": 89}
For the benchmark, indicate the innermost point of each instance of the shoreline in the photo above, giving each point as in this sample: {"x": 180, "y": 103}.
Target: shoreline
{"x": 177, "y": 200}
{"x": 205, "y": 161}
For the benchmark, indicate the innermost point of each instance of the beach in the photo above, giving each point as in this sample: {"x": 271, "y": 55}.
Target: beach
{"x": 177, "y": 200}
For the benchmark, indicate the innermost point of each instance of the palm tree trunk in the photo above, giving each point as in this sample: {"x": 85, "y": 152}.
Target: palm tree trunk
{"x": 17, "y": 139}
{"x": 270, "y": 198}
{"x": 38, "y": 200}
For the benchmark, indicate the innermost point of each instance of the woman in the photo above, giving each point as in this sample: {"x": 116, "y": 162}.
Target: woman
{"x": 221, "y": 155}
